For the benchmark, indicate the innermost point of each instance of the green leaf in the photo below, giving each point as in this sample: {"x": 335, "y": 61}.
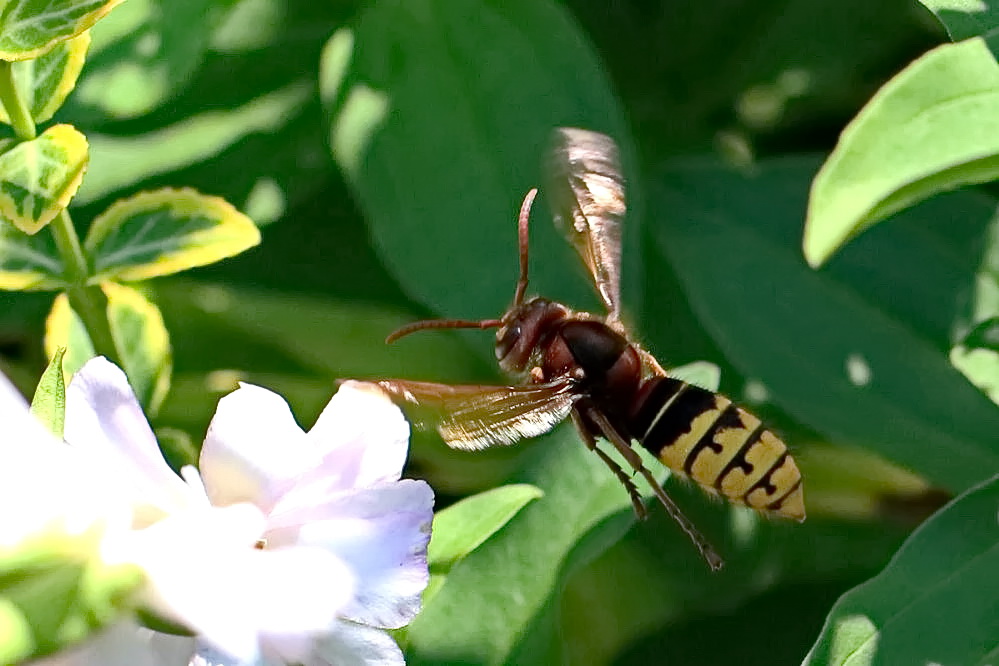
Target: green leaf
{"x": 434, "y": 170}
{"x": 166, "y": 231}
{"x": 49, "y": 403}
{"x": 46, "y": 81}
{"x": 935, "y": 602}
{"x": 28, "y": 28}
{"x": 463, "y": 527}
{"x": 840, "y": 349}
{"x": 39, "y": 177}
{"x": 934, "y": 127}
{"x": 140, "y": 336}
{"x": 28, "y": 262}
{"x": 120, "y": 161}
{"x": 56, "y": 592}
{"x": 492, "y": 596}
{"x": 965, "y": 18}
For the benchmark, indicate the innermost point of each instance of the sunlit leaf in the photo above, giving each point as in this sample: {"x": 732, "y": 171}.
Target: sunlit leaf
{"x": 39, "y": 177}
{"x": 29, "y": 27}
{"x": 980, "y": 366}
{"x": 49, "y": 402}
{"x": 461, "y": 528}
{"x": 935, "y": 602}
{"x": 934, "y": 127}
{"x": 140, "y": 337}
{"x": 46, "y": 81}
{"x": 28, "y": 262}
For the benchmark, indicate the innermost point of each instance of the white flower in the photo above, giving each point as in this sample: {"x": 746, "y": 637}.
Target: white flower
{"x": 54, "y": 489}
{"x": 291, "y": 546}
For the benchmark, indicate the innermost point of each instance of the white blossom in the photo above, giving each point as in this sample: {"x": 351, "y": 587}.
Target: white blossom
{"x": 289, "y": 546}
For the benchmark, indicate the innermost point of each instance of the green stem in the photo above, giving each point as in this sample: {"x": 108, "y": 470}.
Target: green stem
{"x": 88, "y": 301}
{"x": 13, "y": 103}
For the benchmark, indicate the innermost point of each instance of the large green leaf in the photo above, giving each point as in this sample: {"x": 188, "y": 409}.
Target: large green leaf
{"x": 441, "y": 118}
{"x": 28, "y": 262}
{"x": 166, "y": 231}
{"x": 46, "y": 81}
{"x": 492, "y": 596}
{"x": 933, "y": 127}
{"x": 120, "y": 161}
{"x": 39, "y": 177}
{"x": 965, "y": 18}
{"x": 29, "y": 27}
{"x": 935, "y": 602}
{"x": 645, "y": 594}
{"x": 840, "y": 353}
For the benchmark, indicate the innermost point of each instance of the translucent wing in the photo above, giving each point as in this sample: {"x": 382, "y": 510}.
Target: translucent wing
{"x": 477, "y": 417}
{"x": 586, "y": 192}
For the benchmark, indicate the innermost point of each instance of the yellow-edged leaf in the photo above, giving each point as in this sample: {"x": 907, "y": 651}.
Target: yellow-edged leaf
{"x": 28, "y": 28}
{"x": 140, "y": 336}
{"x": 39, "y": 177}
{"x": 46, "y": 81}
{"x": 166, "y": 231}
{"x": 28, "y": 263}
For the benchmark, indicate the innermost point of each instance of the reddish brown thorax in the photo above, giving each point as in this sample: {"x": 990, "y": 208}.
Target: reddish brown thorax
{"x": 546, "y": 334}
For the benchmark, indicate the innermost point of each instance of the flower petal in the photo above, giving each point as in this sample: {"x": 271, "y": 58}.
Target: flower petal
{"x": 204, "y": 572}
{"x": 253, "y": 449}
{"x": 33, "y": 462}
{"x": 21, "y": 429}
{"x": 350, "y": 644}
{"x": 104, "y": 420}
{"x": 381, "y": 532}
{"x": 363, "y": 436}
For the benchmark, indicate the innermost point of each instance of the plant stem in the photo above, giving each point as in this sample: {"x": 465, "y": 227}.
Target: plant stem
{"x": 89, "y": 302}
{"x": 13, "y": 103}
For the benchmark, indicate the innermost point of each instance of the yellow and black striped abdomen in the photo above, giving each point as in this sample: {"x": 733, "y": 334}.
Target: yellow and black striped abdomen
{"x": 721, "y": 446}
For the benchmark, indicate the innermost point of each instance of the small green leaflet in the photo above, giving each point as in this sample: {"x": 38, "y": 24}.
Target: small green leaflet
{"x": 49, "y": 403}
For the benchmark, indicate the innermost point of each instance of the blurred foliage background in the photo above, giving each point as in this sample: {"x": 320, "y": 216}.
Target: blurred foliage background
{"x": 384, "y": 147}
